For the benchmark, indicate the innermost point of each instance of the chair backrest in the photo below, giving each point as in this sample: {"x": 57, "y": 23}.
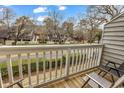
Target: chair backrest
{"x": 121, "y": 66}
{"x": 118, "y": 82}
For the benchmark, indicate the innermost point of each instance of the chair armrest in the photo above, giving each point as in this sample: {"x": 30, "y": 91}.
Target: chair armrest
{"x": 113, "y": 63}
{"x": 16, "y": 82}
{"x": 107, "y": 72}
{"x": 119, "y": 70}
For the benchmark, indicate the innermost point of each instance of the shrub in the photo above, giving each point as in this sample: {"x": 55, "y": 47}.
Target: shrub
{"x": 15, "y": 67}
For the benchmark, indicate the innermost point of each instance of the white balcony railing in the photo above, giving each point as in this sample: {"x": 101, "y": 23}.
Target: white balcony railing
{"x": 42, "y": 64}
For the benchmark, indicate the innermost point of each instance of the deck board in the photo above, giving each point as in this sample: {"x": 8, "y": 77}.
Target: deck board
{"x": 72, "y": 82}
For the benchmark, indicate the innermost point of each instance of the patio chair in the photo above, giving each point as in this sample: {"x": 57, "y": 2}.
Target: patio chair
{"x": 97, "y": 81}
{"x": 18, "y": 82}
{"x": 113, "y": 69}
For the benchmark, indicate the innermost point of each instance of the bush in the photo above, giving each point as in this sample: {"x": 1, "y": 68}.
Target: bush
{"x": 15, "y": 67}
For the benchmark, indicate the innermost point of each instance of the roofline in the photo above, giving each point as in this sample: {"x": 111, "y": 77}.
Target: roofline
{"x": 114, "y": 18}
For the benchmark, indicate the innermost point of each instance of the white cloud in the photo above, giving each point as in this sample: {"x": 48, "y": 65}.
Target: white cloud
{"x": 40, "y": 9}
{"x": 62, "y": 7}
{"x": 41, "y": 18}
{"x": 6, "y": 5}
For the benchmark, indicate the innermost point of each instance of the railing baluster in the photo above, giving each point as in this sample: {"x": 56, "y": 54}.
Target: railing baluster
{"x": 10, "y": 70}
{"x": 29, "y": 69}
{"x": 89, "y": 61}
{"x": 80, "y": 60}
{"x": 20, "y": 66}
{"x": 56, "y": 63}
{"x": 88, "y": 54}
{"x": 84, "y": 59}
{"x": 99, "y": 57}
{"x": 96, "y": 57}
{"x": 87, "y": 57}
{"x": 91, "y": 56}
{"x": 61, "y": 66}
{"x": 44, "y": 66}
{"x": 50, "y": 64}
{"x": 93, "y": 59}
{"x": 76, "y": 64}
{"x": 73, "y": 58}
{"x": 1, "y": 81}
{"x": 37, "y": 67}
{"x": 67, "y": 65}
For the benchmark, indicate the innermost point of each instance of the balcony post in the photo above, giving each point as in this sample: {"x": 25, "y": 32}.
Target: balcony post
{"x": 100, "y": 55}
{"x": 67, "y": 65}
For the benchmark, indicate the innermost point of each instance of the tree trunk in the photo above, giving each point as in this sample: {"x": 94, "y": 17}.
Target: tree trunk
{"x": 4, "y": 41}
{"x": 15, "y": 42}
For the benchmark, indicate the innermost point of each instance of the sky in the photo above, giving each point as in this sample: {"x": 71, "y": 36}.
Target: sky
{"x": 39, "y": 12}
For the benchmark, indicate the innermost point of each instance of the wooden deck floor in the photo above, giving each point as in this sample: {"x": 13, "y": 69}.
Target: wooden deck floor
{"x": 73, "y": 82}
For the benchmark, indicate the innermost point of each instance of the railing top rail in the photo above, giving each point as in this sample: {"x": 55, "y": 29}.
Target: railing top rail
{"x": 36, "y": 48}
{"x": 46, "y": 46}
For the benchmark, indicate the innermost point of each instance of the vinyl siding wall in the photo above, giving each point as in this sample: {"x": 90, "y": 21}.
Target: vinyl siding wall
{"x": 113, "y": 40}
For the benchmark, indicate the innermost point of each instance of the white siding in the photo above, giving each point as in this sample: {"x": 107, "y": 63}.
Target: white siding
{"x": 113, "y": 40}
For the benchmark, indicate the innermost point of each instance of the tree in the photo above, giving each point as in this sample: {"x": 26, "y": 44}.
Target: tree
{"x": 99, "y": 14}
{"x": 56, "y": 18}
{"x": 48, "y": 24}
{"x": 22, "y": 27}
{"x": 82, "y": 25}
{"x": 89, "y": 24}
{"x": 68, "y": 27}
{"x": 98, "y": 35}
{"x": 106, "y": 12}
{"x": 41, "y": 33}
{"x": 78, "y": 36}
{"x": 53, "y": 24}
{"x": 6, "y": 17}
